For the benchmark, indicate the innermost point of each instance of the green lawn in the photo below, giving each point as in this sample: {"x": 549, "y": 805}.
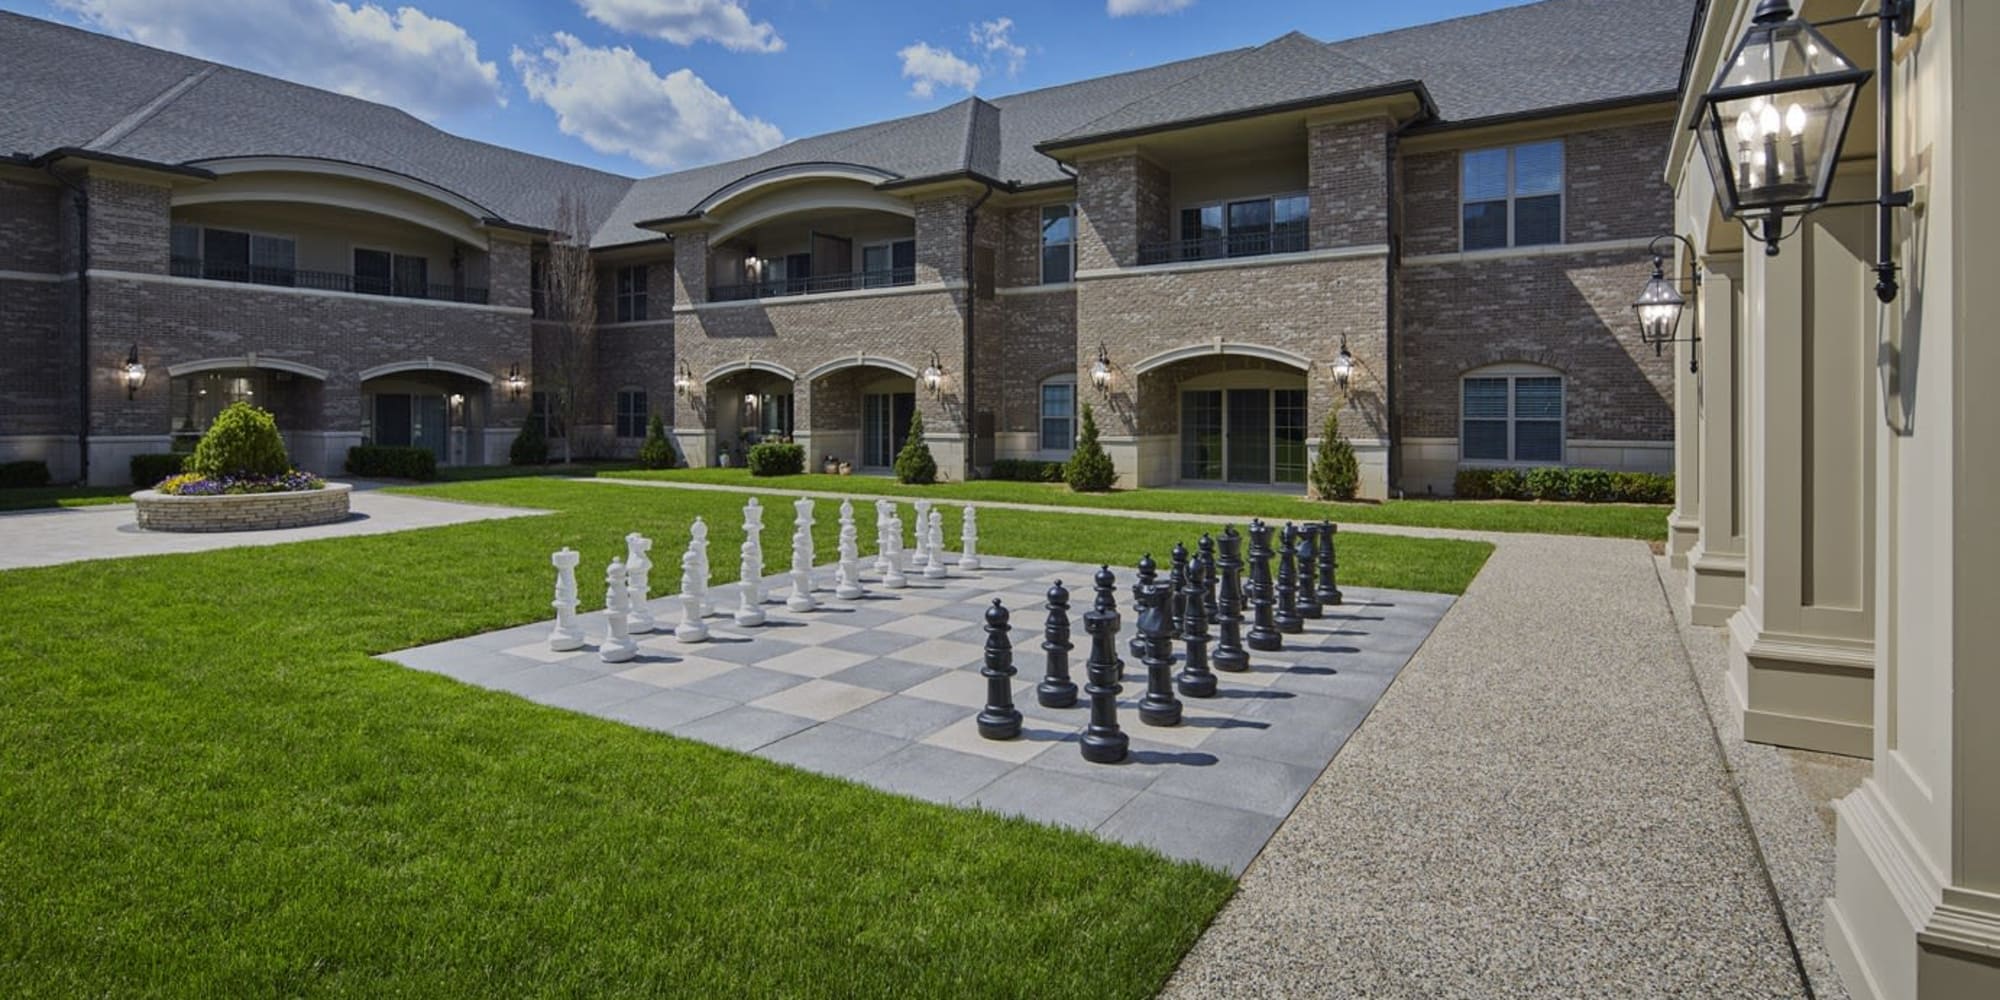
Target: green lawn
{"x": 209, "y": 788}
{"x": 63, "y": 496}
{"x": 1640, "y": 521}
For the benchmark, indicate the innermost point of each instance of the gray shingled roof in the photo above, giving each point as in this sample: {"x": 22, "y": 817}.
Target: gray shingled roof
{"x": 153, "y": 105}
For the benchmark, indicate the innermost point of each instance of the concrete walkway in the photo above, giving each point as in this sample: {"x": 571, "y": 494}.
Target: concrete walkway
{"x": 74, "y": 534}
{"x": 1536, "y": 808}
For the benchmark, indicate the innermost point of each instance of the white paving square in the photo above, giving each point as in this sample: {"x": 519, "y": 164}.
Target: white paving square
{"x": 820, "y": 699}
{"x": 814, "y": 661}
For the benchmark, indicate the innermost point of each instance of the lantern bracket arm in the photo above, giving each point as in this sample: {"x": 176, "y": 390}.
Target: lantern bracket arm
{"x": 1694, "y": 259}
{"x": 1900, "y": 14}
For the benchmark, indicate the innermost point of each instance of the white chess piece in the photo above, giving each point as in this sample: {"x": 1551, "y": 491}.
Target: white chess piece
{"x": 748, "y": 613}
{"x": 699, "y": 545}
{"x": 847, "y": 575}
{"x": 801, "y": 598}
{"x": 920, "y": 557}
{"x": 802, "y": 525}
{"x": 753, "y": 532}
{"x": 566, "y": 635}
{"x": 690, "y": 629}
{"x": 892, "y": 551}
{"x": 884, "y": 509}
{"x": 968, "y": 537}
{"x": 618, "y": 645}
{"x": 934, "y": 548}
{"x": 638, "y": 569}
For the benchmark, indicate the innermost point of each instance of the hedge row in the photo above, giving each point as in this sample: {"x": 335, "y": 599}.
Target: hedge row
{"x": 148, "y": 470}
{"x": 24, "y": 474}
{"x": 1026, "y": 470}
{"x": 376, "y": 461}
{"x": 1586, "y": 485}
{"x": 776, "y": 458}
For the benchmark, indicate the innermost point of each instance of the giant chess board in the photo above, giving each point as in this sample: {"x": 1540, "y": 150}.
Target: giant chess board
{"x": 884, "y": 690}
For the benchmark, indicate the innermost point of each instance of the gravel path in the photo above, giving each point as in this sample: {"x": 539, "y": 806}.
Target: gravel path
{"x": 1537, "y": 808}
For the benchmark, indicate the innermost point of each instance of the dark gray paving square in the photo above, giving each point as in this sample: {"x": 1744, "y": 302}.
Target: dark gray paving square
{"x": 905, "y": 717}
{"x": 1146, "y": 761}
{"x": 1211, "y": 834}
{"x": 1240, "y": 781}
{"x": 542, "y": 679}
{"x": 831, "y": 748}
{"x": 665, "y": 709}
{"x": 595, "y": 695}
{"x": 874, "y": 641}
{"x": 887, "y": 674}
{"x": 1054, "y": 797}
{"x": 742, "y": 728}
{"x": 762, "y": 644}
{"x": 744, "y": 684}
{"x": 932, "y": 773}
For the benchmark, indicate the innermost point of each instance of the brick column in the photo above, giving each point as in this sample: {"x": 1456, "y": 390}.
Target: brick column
{"x": 1347, "y": 171}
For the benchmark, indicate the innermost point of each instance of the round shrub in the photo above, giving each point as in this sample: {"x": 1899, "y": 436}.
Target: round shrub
{"x": 1089, "y": 469}
{"x": 1551, "y": 483}
{"x": 1507, "y": 484}
{"x": 776, "y": 458}
{"x": 243, "y": 441}
{"x": 914, "y": 463}
{"x": 1590, "y": 485}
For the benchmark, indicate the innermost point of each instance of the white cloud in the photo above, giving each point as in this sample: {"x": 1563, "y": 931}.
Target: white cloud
{"x": 1126, "y": 8}
{"x": 685, "y": 22}
{"x": 993, "y": 37}
{"x": 409, "y": 59}
{"x": 614, "y": 101}
{"x": 931, "y": 67}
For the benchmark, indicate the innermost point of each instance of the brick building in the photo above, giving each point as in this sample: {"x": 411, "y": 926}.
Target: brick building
{"x": 1461, "y": 209}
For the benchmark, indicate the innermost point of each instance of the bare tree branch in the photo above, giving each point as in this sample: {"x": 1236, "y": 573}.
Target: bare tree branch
{"x": 569, "y": 294}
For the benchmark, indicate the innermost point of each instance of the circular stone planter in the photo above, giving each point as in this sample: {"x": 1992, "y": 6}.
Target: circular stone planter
{"x": 242, "y": 512}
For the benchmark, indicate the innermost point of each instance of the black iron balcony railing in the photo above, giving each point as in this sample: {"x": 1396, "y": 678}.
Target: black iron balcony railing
{"x": 1219, "y": 247}
{"x": 326, "y": 281}
{"x": 777, "y": 287}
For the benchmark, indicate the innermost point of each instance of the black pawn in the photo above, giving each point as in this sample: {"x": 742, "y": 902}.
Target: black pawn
{"x": 1206, "y": 562}
{"x": 1103, "y": 742}
{"x": 1288, "y": 619}
{"x": 1329, "y": 592}
{"x": 1177, "y": 591}
{"x": 1056, "y": 689}
{"x": 1159, "y": 707}
{"x": 1308, "y": 606}
{"x": 1229, "y": 654}
{"x": 1264, "y": 634}
{"x": 1195, "y": 680}
{"x": 999, "y": 720}
{"x": 1149, "y": 572}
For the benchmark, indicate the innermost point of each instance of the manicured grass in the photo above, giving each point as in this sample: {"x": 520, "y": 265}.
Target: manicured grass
{"x": 479, "y": 473}
{"x": 209, "y": 788}
{"x": 63, "y": 496}
{"x": 1640, "y": 521}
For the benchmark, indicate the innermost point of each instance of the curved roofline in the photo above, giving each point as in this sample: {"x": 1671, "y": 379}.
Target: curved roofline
{"x": 1192, "y": 351}
{"x": 223, "y": 166}
{"x": 836, "y": 169}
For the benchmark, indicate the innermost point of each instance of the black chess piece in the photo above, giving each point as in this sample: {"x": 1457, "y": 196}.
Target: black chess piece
{"x": 1056, "y": 689}
{"x": 1206, "y": 561}
{"x": 1103, "y": 742}
{"x": 1229, "y": 654}
{"x": 1177, "y": 591}
{"x": 1329, "y": 561}
{"x": 999, "y": 720}
{"x": 1195, "y": 680}
{"x": 1159, "y": 707}
{"x": 1308, "y": 606}
{"x": 1149, "y": 572}
{"x": 1107, "y": 603}
{"x": 1264, "y": 634}
{"x": 1287, "y": 618}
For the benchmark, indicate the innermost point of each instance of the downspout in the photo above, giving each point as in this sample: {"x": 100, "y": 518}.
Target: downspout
{"x": 971, "y": 307}
{"x": 1393, "y": 464}
{"x": 81, "y": 201}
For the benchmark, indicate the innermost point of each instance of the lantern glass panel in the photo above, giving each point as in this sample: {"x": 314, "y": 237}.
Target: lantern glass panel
{"x": 1772, "y": 125}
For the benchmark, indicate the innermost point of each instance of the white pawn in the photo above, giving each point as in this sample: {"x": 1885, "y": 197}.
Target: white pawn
{"x": 801, "y": 598}
{"x": 847, "y": 576}
{"x": 920, "y": 557}
{"x": 968, "y": 537}
{"x": 753, "y": 531}
{"x": 748, "y": 614}
{"x": 618, "y": 645}
{"x": 690, "y": 629}
{"x": 699, "y": 546}
{"x": 566, "y": 635}
{"x": 934, "y": 545}
{"x": 638, "y": 568}
{"x": 892, "y": 552}
{"x": 884, "y": 510}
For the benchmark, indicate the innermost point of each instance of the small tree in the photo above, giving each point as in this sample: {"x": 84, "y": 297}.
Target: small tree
{"x": 1089, "y": 469}
{"x": 655, "y": 452}
{"x": 1335, "y": 473}
{"x": 243, "y": 441}
{"x": 530, "y": 447}
{"x": 914, "y": 463}
{"x": 569, "y": 296}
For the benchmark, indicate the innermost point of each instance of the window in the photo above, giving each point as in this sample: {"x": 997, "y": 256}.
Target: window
{"x": 1512, "y": 196}
{"x": 884, "y": 264}
{"x": 380, "y": 272}
{"x": 773, "y": 419}
{"x": 631, "y": 303}
{"x": 1246, "y": 435}
{"x": 1246, "y": 227}
{"x": 1058, "y": 244}
{"x": 538, "y": 277}
{"x": 233, "y": 255}
{"x": 541, "y": 409}
{"x": 1058, "y": 429}
{"x": 631, "y": 413}
{"x": 1512, "y": 417}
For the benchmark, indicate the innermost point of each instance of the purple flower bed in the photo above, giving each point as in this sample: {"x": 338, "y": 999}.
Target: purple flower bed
{"x": 194, "y": 485}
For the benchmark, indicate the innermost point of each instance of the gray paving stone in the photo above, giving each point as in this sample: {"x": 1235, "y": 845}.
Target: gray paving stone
{"x": 876, "y": 641}
{"x": 744, "y": 684}
{"x": 742, "y": 728}
{"x": 596, "y": 694}
{"x": 888, "y": 674}
{"x": 540, "y": 680}
{"x": 666, "y": 709}
{"x": 933, "y": 773}
{"x": 1240, "y": 781}
{"x": 762, "y": 645}
{"x": 1054, "y": 797}
{"x": 905, "y": 717}
{"x": 1214, "y": 835}
{"x": 832, "y": 748}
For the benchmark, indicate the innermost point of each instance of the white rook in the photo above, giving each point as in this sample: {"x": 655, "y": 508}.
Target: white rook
{"x": 566, "y": 635}
{"x": 638, "y": 570}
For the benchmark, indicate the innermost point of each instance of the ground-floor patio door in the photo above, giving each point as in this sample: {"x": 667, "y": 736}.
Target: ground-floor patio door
{"x": 413, "y": 421}
{"x": 885, "y": 425}
{"x": 1243, "y": 436}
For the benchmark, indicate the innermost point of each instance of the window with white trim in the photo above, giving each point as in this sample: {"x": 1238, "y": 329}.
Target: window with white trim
{"x": 631, "y": 294}
{"x": 233, "y": 255}
{"x": 1058, "y": 421}
{"x": 1245, "y": 227}
{"x": 889, "y": 263}
{"x": 1511, "y": 414}
{"x": 1058, "y": 244}
{"x": 631, "y": 413}
{"x": 1511, "y": 196}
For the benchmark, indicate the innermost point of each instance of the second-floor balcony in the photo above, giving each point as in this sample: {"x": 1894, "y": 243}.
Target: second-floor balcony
{"x": 814, "y": 284}
{"x": 327, "y": 281}
{"x": 1248, "y": 244}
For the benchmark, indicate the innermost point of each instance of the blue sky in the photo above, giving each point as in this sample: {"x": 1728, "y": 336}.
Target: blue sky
{"x": 644, "y": 86}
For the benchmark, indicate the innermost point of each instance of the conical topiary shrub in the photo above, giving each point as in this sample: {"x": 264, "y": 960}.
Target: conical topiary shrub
{"x": 530, "y": 447}
{"x": 1089, "y": 469}
{"x": 1336, "y": 475}
{"x": 914, "y": 463}
{"x": 656, "y": 452}
{"x": 243, "y": 441}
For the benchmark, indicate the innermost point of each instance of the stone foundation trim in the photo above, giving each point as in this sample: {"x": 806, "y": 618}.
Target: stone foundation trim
{"x": 1803, "y": 691}
{"x": 1715, "y": 585}
{"x": 243, "y": 512}
{"x": 238, "y": 286}
{"x": 1264, "y": 260}
{"x": 1060, "y": 286}
{"x": 1510, "y": 253}
{"x": 57, "y": 451}
{"x": 44, "y": 276}
{"x": 857, "y": 293}
{"x": 1683, "y": 530}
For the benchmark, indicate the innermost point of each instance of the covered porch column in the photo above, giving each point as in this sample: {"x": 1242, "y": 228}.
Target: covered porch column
{"x": 1716, "y": 563}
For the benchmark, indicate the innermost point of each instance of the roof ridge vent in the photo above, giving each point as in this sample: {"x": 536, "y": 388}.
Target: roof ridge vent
{"x": 125, "y": 126}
